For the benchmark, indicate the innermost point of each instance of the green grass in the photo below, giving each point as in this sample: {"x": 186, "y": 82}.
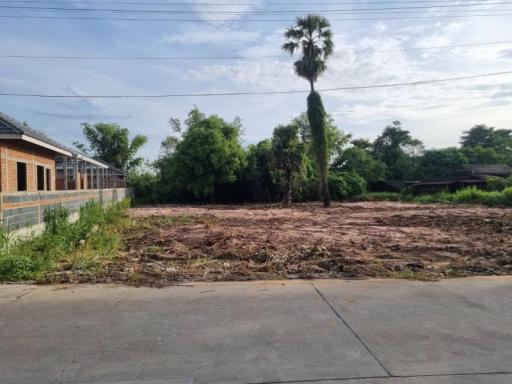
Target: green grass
{"x": 464, "y": 196}
{"x": 83, "y": 245}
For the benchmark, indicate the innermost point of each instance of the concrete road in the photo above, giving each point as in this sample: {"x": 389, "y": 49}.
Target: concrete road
{"x": 365, "y": 332}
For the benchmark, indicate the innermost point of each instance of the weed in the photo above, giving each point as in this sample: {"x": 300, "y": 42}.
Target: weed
{"x": 83, "y": 245}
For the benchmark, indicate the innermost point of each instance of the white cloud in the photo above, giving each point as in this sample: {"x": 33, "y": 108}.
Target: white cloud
{"x": 225, "y": 11}
{"x": 205, "y": 34}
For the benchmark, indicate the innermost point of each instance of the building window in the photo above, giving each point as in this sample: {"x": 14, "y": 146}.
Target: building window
{"x": 21, "y": 170}
{"x": 40, "y": 178}
{"x": 48, "y": 180}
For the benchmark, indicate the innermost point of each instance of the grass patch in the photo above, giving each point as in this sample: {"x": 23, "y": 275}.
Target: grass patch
{"x": 464, "y": 196}
{"x": 80, "y": 246}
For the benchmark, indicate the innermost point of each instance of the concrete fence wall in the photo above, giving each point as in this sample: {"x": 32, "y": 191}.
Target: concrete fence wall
{"x": 25, "y": 209}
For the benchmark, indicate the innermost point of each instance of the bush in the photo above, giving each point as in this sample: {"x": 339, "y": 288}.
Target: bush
{"x": 337, "y": 187}
{"x": 146, "y": 186}
{"x": 464, "y": 196}
{"x": 378, "y": 196}
{"x": 495, "y": 183}
{"x": 356, "y": 185}
{"x": 343, "y": 185}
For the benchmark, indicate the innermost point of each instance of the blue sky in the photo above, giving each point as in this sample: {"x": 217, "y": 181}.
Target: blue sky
{"x": 367, "y": 52}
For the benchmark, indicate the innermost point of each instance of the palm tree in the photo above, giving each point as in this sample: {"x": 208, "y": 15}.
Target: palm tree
{"x": 313, "y": 38}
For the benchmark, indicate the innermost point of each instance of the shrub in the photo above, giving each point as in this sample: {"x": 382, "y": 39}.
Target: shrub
{"x": 343, "y": 185}
{"x": 337, "y": 187}
{"x": 378, "y": 196}
{"x": 495, "y": 183}
{"x": 356, "y": 185}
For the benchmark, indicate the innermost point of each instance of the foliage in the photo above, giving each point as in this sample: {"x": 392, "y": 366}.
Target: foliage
{"x": 440, "y": 162}
{"x": 96, "y": 231}
{"x": 313, "y": 37}
{"x": 288, "y": 158}
{"x": 110, "y": 143}
{"x": 464, "y": 196}
{"x": 257, "y": 178}
{"x": 397, "y": 149}
{"x": 208, "y": 156}
{"x": 481, "y": 155}
{"x": 361, "y": 162}
{"x": 146, "y": 187}
{"x": 343, "y": 185}
{"x": 487, "y": 137}
{"x": 336, "y": 138}
{"x": 495, "y": 183}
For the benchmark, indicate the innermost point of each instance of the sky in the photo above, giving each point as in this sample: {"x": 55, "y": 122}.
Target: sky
{"x": 389, "y": 48}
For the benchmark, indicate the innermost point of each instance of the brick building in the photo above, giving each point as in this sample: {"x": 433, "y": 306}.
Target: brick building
{"x": 37, "y": 172}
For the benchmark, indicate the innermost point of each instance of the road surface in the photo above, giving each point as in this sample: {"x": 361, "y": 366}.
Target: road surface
{"x": 355, "y": 332}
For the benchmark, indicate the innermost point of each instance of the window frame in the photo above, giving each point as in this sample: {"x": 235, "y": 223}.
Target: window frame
{"x": 19, "y": 176}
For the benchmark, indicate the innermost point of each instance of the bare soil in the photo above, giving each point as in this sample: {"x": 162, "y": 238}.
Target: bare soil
{"x": 354, "y": 240}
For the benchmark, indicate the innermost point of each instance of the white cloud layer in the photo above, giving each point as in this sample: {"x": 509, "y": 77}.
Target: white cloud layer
{"x": 366, "y": 53}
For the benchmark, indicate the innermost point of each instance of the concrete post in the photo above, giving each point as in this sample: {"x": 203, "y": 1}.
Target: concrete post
{"x": 65, "y": 166}
{"x": 75, "y": 173}
{"x": 98, "y": 177}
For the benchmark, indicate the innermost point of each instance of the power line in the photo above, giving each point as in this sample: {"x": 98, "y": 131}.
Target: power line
{"x": 177, "y": 3}
{"x": 200, "y": 58}
{"x": 93, "y": 18}
{"x": 346, "y": 88}
{"x": 324, "y": 11}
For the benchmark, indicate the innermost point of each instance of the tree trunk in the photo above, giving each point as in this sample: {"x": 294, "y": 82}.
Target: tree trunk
{"x": 287, "y": 198}
{"x": 316, "y": 116}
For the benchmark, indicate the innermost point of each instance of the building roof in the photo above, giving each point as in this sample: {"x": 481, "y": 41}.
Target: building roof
{"x": 489, "y": 169}
{"x": 10, "y": 126}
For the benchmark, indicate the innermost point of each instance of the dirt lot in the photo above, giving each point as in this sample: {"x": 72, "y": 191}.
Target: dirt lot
{"x": 357, "y": 240}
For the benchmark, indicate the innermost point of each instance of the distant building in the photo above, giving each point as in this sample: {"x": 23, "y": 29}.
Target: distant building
{"x": 472, "y": 175}
{"x": 37, "y": 172}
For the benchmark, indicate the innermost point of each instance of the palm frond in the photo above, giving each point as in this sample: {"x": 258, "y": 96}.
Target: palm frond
{"x": 313, "y": 38}
{"x": 290, "y": 47}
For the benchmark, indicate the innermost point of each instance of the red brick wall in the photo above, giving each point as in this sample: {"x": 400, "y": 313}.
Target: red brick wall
{"x": 13, "y": 151}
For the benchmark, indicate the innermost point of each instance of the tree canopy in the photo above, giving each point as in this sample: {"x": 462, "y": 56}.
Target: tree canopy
{"x": 110, "y": 143}
{"x": 208, "y": 155}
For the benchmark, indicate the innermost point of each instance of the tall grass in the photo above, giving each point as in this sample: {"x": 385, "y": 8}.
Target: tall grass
{"x": 83, "y": 243}
{"x": 464, "y": 196}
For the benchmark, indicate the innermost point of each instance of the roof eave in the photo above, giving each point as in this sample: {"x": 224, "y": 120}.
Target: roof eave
{"x": 37, "y": 142}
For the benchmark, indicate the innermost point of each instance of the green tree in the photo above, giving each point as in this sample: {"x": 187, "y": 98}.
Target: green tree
{"x": 312, "y": 36}
{"x": 288, "y": 154}
{"x": 208, "y": 155}
{"x": 364, "y": 144}
{"x": 481, "y": 155}
{"x": 358, "y": 161}
{"x": 395, "y": 147}
{"x": 258, "y": 172}
{"x": 440, "y": 162}
{"x": 111, "y": 143}
{"x": 482, "y": 136}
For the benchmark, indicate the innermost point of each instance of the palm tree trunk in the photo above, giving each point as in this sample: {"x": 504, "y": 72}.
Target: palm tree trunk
{"x": 324, "y": 188}
{"x": 316, "y": 116}
{"x": 312, "y": 85}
